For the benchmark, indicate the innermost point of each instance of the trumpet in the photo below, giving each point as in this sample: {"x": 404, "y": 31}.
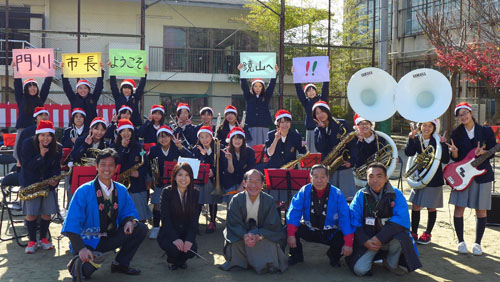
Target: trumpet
{"x": 217, "y": 189}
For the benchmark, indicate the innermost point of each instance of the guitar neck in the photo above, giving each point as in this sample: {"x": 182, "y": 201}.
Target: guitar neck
{"x": 479, "y": 160}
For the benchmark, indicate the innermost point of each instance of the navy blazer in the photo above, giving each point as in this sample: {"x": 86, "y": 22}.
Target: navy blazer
{"x": 209, "y": 159}
{"x": 413, "y": 147}
{"x": 241, "y": 166}
{"x": 326, "y": 140}
{"x": 26, "y": 133}
{"x": 284, "y": 152}
{"x": 361, "y": 151}
{"x": 89, "y": 103}
{"x": 308, "y": 103}
{"x": 133, "y": 100}
{"x": 36, "y": 168}
{"x": 197, "y": 128}
{"x": 224, "y": 131}
{"x": 80, "y": 148}
{"x": 258, "y": 114}
{"x": 66, "y": 139}
{"x": 483, "y": 134}
{"x": 173, "y": 154}
{"x": 189, "y": 134}
{"x": 148, "y": 132}
{"x": 128, "y": 158}
{"x": 25, "y": 119}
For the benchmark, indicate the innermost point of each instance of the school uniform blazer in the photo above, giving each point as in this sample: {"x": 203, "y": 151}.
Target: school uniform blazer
{"x": 206, "y": 159}
{"x": 25, "y": 119}
{"x": 483, "y": 134}
{"x": 326, "y": 139}
{"x": 133, "y": 100}
{"x": 224, "y": 131}
{"x": 36, "y": 168}
{"x": 413, "y": 147}
{"x": 129, "y": 157}
{"x": 240, "y": 168}
{"x": 361, "y": 151}
{"x": 26, "y": 133}
{"x": 285, "y": 152}
{"x": 258, "y": 114}
{"x": 189, "y": 132}
{"x": 147, "y": 131}
{"x": 308, "y": 103}
{"x": 89, "y": 103}
{"x": 66, "y": 139}
{"x": 173, "y": 154}
{"x": 80, "y": 148}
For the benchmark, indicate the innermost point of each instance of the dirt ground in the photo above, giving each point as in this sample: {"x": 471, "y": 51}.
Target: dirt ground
{"x": 440, "y": 260}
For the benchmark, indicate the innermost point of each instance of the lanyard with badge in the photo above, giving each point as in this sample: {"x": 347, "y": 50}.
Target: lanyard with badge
{"x": 370, "y": 220}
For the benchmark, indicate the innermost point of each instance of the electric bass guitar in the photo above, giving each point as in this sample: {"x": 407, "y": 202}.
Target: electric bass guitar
{"x": 460, "y": 174}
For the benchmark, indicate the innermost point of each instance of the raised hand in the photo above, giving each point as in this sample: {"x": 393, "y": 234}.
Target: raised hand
{"x": 202, "y": 150}
{"x": 452, "y": 146}
{"x": 277, "y": 68}
{"x": 480, "y": 149}
{"x": 413, "y": 132}
{"x": 240, "y": 66}
{"x": 227, "y": 154}
{"x": 150, "y": 118}
{"x": 177, "y": 141}
{"x": 89, "y": 137}
{"x": 442, "y": 138}
{"x": 43, "y": 150}
{"x": 319, "y": 123}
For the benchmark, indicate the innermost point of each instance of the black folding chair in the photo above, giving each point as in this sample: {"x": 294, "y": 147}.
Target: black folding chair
{"x": 13, "y": 208}
{"x": 5, "y": 161}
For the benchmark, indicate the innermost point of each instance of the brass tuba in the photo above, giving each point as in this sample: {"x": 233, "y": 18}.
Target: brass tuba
{"x": 39, "y": 189}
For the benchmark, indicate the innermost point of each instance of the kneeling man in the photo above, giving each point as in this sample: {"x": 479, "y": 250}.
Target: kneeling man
{"x": 379, "y": 213}
{"x": 253, "y": 229}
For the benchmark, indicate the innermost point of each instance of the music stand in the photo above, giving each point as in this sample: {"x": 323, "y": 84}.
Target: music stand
{"x": 65, "y": 156}
{"x": 260, "y": 154}
{"x": 310, "y": 160}
{"x": 168, "y": 167}
{"x": 84, "y": 174}
{"x": 203, "y": 173}
{"x": 286, "y": 179}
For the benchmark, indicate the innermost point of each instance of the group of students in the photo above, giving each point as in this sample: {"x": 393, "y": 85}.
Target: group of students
{"x": 40, "y": 154}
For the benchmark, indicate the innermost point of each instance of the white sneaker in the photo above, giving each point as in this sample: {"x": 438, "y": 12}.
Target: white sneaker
{"x": 153, "y": 234}
{"x": 45, "y": 244}
{"x": 476, "y": 249}
{"x": 31, "y": 248}
{"x": 462, "y": 248}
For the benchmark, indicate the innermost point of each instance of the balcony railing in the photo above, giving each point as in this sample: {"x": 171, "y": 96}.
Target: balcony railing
{"x": 196, "y": 60}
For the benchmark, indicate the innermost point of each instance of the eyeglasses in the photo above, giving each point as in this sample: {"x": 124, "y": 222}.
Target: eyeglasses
{"x": 463, "y": 114}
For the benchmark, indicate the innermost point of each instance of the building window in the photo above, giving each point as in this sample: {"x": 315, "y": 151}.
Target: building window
{"x": 201, "y": 50}
{"x": 19, "y": 17}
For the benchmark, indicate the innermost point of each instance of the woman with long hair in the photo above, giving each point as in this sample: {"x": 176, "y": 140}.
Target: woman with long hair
{"x": 231, "y": 121}
{"x": 94, "y": 140}
{"x": 179, "y": 216}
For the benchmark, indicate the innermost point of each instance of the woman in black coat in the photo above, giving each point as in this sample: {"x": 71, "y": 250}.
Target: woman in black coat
{"x": 179, "y": 216}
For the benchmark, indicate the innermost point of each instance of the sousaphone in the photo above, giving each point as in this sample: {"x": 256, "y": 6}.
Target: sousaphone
{"x": 421, "y": 96}
{"x": 370, "y": 92}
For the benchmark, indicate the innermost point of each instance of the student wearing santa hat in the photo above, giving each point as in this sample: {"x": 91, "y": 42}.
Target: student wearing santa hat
{"x": 40, "y": 159}
{"x": 231, "y": 121}
{"x": 204, "y": 150}
{"x": 430, "y": 196}
{"x": 326, "y": 137}
{"x": 39, "y": 114}
{"x": 367, "y": 144}
{"x": 28, "y": 97}
{"x": 125, "y": 112}
{"x": 168, "y": 148}
{"x": 128, "y": 94}
{"x": 129, "y": 151}
{"x": 238, "y": 159}
{"x": 257, "y": 98}
{"x": 150, "y": 127}
{"x": 308, "y": 95}
{"x": 84, "y": 98}
{"x": 77, "y": 128}
{"x": 95, "y": 140}
{"x": 186, "y": 131}
{"x": 282, "y": 146}
{"x": 468, "y": 136}
{"x": 206, "y": 115}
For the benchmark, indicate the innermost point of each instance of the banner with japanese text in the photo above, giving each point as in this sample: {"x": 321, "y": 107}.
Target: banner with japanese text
{"x": 126, "y": 62}
{"x": 258, "y": 64}
{"x": 82, "y": 65}
{"x": 29, "y": 63}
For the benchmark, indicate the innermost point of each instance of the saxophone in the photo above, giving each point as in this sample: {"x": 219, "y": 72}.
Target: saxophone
{"x": 39, "y": 189}
{"x": 124, "y": 177}
{"x": 339, "y": 154}
{"x": 292, "y": 164}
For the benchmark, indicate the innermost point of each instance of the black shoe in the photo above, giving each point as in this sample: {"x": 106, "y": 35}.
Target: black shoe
{"x": 172, "y": 266}
{"x": 295, "y": 259}
{"x": 124, "y": 269}
{"x": 183, "y": 266}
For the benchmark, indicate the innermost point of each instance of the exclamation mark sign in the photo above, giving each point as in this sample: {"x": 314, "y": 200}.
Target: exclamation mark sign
{"x": 315, "y": 64}
{"x": 308, "y": 64}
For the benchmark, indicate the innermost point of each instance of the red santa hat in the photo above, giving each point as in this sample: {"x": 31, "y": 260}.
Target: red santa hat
{"x": 83, "y": 82}
{"x": 436, "y": 122}
{"x": 158, "y": 108}
{"x": 206, "y": 129}
{"x": 235, "y": 131}
{"x": 98, "y": 120}
{"x": 124, "y": 108}
{"x": 310, "y": 85}
{"x": 30, "y": 80}
{"x": 463, "y": 105}
{"x": 165, "y": 129}
{"x": 78, "y": 111}
{"x": 39, "y": 111}
{"x": 207, "y": 108}
{"x": 181, "y": 106}
{"x": 281, "y": 114}
{"x": 129, "y": 82}
{"x": 258, "y": 80}
{"x": 123, "y": 124}
{"x": 231, "y": 109}
{"x": 45, "y": 126}
{"x": 320, "y": 103}
{"x": 358, "y": 119}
